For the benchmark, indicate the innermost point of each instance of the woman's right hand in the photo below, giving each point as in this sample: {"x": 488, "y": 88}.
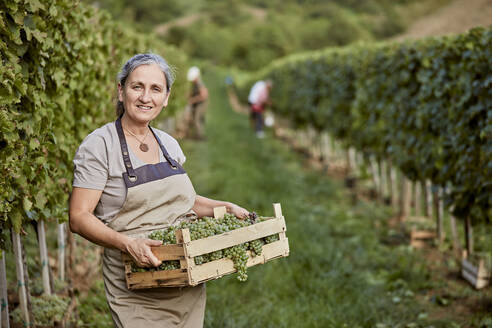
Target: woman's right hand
{"x": 139, "y": 250}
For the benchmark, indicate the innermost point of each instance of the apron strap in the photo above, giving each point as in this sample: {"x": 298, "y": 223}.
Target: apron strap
{"x": 124, "y": 150}
{"x": 171, "y": 161}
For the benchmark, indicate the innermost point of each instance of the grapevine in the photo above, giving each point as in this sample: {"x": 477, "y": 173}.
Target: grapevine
{"x": 207, "y": 227}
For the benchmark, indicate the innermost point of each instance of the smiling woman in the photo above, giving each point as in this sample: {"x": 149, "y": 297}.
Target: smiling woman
{"x": 129, "y": 181}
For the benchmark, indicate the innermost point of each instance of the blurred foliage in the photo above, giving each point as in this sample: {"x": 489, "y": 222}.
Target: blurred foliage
{"x": 249, "y": 34}
{"x": 47, "y": 310}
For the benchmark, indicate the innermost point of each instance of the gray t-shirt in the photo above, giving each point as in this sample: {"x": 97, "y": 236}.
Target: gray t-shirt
{"x": 98, "y": 164}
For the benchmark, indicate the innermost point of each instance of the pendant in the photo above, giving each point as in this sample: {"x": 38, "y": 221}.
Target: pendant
{"x": 144, "y": 147}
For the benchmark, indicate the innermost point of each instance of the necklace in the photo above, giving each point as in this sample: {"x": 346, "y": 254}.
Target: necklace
{"x": 143, "y": 146}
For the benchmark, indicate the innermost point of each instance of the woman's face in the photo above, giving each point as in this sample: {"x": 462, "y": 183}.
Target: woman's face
{"x": 144, "y": 93}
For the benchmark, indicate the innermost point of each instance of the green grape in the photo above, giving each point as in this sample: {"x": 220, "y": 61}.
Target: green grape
{"x": 207, "y": 227}
{"x": 271, "y": 239}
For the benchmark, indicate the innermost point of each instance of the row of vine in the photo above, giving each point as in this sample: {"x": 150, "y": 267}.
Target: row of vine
{"x": 426, "y": 105}
{"x": 59, "y": 61}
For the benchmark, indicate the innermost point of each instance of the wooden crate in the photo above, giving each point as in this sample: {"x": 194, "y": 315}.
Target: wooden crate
{"x": 421, "y": 238}
{"x": 477, "y": 275}
{"x": 185, "y": 251}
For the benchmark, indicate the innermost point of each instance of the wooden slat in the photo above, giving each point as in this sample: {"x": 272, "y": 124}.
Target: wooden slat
{"x": 238, "y": 236}
{"x": 418, "y": 243}
{"x": 219, "y": 212}
{"x": 469, "y": 267}
{"x": 163, "y": 253}
{"x": 219, "y": 268}
{"x": 418, "y": 218}
{"x": 168, "y": 252}
{"x": 482, "y": 271}
{"x": 183, "y": 236}
{"x": 475, "y": 281}
{"x": 472, "y": 279}
{"x": 422, "y": 234}
{"x": 478, "y": 271}
{"x": 163, "y": 278}
{"x": 278, "y": 210}
{"x": 183, "y": 263}
{"x": 481, "y": 283}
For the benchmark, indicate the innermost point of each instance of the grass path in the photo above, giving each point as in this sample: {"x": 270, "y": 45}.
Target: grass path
{"x": 338, "y": 274}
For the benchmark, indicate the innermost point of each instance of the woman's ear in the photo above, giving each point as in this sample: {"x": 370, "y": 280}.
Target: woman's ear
{"x": 167, "y": 98}
{"x": 120, "y": 92}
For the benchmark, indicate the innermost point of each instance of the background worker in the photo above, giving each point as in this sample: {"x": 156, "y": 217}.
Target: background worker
{"x": 258, "y": 99}
{"x": 197, "y": 100}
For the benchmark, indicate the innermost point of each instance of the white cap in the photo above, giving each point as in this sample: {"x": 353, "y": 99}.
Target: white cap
{"x": 193, "y": 73}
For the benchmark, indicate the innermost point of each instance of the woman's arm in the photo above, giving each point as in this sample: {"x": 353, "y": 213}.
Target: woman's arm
{"x": 205, "y": 207}
{"x": 83, "y": 222}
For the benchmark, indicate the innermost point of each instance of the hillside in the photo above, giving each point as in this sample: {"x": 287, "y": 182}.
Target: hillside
{"x": 456, "y": 17}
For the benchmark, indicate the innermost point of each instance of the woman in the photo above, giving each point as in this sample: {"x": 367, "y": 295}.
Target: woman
{"x": 128, "y": 181}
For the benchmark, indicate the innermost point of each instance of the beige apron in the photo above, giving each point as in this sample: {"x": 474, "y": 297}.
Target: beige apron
{"x": 158, "y": 195}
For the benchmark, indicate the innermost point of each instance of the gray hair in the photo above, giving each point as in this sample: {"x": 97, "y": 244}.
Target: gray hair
{"x": 143, "y": 59}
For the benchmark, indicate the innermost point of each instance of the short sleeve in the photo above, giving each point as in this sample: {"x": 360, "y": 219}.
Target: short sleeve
{"x": 91, "y": 164}
{"x": 180, "y": 156}
{"x": 172, "y": 147}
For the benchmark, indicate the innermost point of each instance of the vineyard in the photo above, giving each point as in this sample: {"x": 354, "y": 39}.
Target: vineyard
{"x": 381, "y": 155}
{"x": 422, "y": 107}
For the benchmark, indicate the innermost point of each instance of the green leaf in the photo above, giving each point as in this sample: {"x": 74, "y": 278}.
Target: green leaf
{"x": 35, "y": 5}
{"x": 34, "y": 144}
{"x": 40, "y": 199}
{"x": 27, "y": 204}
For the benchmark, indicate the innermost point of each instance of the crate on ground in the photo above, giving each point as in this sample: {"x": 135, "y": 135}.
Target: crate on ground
{"x": 477, "y": 274}
{"x": 422, "y": 232}
{"x": 191, "y": 274}
{"x": 421, "y": 238}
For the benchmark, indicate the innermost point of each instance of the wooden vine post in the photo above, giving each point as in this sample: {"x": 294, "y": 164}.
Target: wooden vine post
{"x": 390, "y": 178}
{"x": 380, "y": 179}
{"x": 417, "y": 198}
{"x": 384, "y": 181}
{"x": 19, "y": 266}
{"x": 326, "y": 141}
{"x": 405, "y": 197}
{"x": 468, "y": 236}
{"x": 439, "y": 203}
{"x": 61, "y": 251}
{"x": 4, "y": 313}
{"x": 428, "y": 199}
{"x": 454, "y": 232}
{"x": 43, "y": 253}
{"x": 375, "y": 176}
{"x": 454, "y": 235}
{"x": 359, "y": 163}
{"x": 352, "y": 160}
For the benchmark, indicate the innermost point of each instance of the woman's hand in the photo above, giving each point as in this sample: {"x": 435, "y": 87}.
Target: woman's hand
{"x": 139, "y": 250}
{"x": 238, "y": 211}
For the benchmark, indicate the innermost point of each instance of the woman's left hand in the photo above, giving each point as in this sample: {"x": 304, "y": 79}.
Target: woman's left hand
{"x": 238, "y": 211}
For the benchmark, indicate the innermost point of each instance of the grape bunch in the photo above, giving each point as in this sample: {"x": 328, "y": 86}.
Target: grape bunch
{"x": 207, "y": 227}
